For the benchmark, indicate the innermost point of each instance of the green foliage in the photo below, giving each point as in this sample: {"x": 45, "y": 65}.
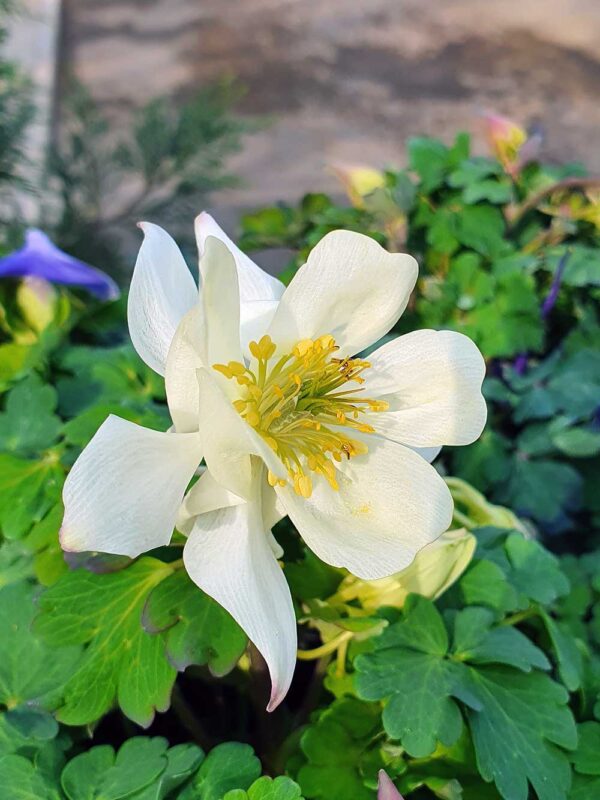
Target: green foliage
{"x": 144, "y": 768}
{"x": 121, "y": 660}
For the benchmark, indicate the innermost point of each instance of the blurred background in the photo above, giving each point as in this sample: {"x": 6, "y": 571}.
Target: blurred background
{"x": 277, "y": 91}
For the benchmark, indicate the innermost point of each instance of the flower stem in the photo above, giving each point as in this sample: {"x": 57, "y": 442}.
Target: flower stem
{"x": 325, "y": 649}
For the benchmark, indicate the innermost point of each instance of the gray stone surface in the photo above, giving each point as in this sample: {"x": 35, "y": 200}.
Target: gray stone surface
{"x": 349, "y": 81}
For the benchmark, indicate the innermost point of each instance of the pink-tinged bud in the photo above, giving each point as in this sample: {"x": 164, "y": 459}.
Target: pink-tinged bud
{"x": 358, "y": 181}
{"x": 36, "y": 299}
{"x": 386, "y": 789}
{"x": 510, "y": 143}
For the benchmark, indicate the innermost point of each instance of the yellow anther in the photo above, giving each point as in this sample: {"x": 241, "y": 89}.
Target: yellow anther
{"x": 378, "y": 405}
{"x": 272, "y": 478}
{"x": 240, "y": 405}
{"x": 252, "y": 417}
{"x": 364, "y": 428}
{"x": 254, "y": 348}
{"x": 236, "y": 368}
{"x": 327, "y": 341}
{"x": 303, "y": 485}
{"x": 303, "y": 347}
{"x": 223, "y": 370}
{"x": 297, "y": 379}
{"x": 264, "y": 348}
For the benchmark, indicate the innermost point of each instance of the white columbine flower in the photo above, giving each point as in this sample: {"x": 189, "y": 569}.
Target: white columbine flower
{"x": 264, "y": 384}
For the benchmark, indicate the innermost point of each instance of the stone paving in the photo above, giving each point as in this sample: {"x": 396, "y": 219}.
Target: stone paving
{"x": 349, "y": 81}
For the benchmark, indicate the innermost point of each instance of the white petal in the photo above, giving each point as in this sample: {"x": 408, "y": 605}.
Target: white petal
{"x": 350, "y": 287}
{"x": 221, "y": 301}
{"x": 432, "y": 380}
{"x": 124, "y": 490}
{"x": 229, "y": 557}
{"x": 428, "y": 453}
{"x": 183, "y": 361}
{"x": 255, "y": 318}
{"x": 204, "y": 496}
{"x": 228, "y": 441}
{"x": 390, "y": 504}
{"x": 162, "y": 290}
{"x": 255, "y": 283}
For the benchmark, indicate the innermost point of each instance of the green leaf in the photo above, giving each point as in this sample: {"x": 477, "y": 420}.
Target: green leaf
{"x": 30, "y": 671}
{"x": 228, "y": 766}
{"x": 28, "y": 424}
{"x": 534, "y": 570}
{"x": 476, "y": 641}
{"x": 20, "y": 780}
{"x": 481, "y": 228}
{"x": 121, "y": 661}
{"x": 197, "y": 629}
{"x": 28, "y": 489}
{"x": 334, "y": 747}
{"x": 268, "y": 789}
{"x": 516, "y": 729}
{"x": 429, "y": 158}
{"x": 586, "y": 759}
{"x": 26, "y": 730}
{"x": 485, "y": 584}
{"x": 582, "y": 267}
{"x": 585, "y": 788}
{"x": 144, "y": 769}
{"x": 518, "y": 719}
{"x": 568, "y": 656}
{"x": 577, "y": 442}
{"x": 408, "y": 665}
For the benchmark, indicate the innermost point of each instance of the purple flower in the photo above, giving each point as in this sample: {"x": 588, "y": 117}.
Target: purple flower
{"x": 41, "y": 258}
{"x": 386, "y": 789}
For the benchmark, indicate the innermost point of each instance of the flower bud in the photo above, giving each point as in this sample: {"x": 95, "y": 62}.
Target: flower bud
{"x": 37, "y": 301}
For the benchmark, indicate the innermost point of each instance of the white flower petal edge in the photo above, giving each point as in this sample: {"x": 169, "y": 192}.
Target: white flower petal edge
{"x": 255, "y": 283}
{"x": 229, "y": 556}
{"x": 123, "y": 492}
{"x": 204, "y": 496}
{"x": 350, "y": 287}
{"x": 184, "y": 358}
{"x": 432, "y": 382}
{"x": 390, "y": 504}
{"x": 162, "y": 290}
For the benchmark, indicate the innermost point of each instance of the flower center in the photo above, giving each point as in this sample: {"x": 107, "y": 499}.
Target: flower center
{"x": 305, "y": 404}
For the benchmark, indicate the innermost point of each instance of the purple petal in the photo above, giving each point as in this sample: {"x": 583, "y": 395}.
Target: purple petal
{"x": 386, "y": 789}
{"x": 40, "y": 257}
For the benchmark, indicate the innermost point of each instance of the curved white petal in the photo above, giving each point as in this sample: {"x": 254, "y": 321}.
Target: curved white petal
{"x": 432, "y": 381}
{"x": 350, "y": 287}
{"x": 229, "y": 557}
{"x": 228, "y": 441}
{"x": 162, "y": 290}
{"x": 204, "y": 496}
{"x": 221, "y": 302}
{"x": 390, "y": 504}
{"x": 185, "y": 357}
{"x": 255, "y": 283}
{"x": 428, "y": 453}
{"x": 255, "y": 318}
{"x": 124, "y": 490}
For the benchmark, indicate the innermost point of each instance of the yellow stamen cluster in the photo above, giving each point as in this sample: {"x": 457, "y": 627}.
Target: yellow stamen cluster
{"x": 299, "y": 402}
